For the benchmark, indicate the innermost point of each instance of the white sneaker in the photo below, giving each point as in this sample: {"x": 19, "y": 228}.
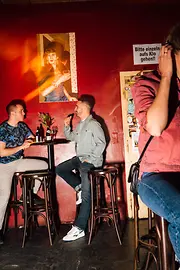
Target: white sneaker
{"x": 74, "y": 234}
{"x": 78, "y": 197}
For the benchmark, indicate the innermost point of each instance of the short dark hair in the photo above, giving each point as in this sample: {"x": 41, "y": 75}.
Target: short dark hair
{"x": 65, "y": 56}
{"x": 174, "y": 38}
{"x": 88, "y": 99}
{"x": 13, "y": 104}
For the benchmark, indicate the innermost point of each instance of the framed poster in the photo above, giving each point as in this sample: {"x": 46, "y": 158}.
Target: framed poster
{"x": 57, "y": 80}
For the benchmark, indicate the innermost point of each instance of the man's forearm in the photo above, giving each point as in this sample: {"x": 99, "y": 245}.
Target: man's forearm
{"x": 68, "y": 133}
{"x": 10, "y": 151}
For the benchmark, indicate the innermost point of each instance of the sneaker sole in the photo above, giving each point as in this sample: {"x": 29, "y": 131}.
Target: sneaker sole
{"x": 82, "y": 234}
{"x": 78, "y": 202}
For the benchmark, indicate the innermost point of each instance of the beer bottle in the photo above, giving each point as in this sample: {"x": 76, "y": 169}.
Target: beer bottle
{"x": 41, "y": 133}
{"x": 48, "y": 134}
{"x": 37, "y": 134}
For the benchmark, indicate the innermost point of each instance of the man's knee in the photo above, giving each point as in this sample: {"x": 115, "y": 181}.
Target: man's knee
{"x": 44, "y": 165}
{"x": 60, "y": 170}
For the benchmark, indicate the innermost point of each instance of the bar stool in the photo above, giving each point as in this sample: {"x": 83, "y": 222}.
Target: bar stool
{"x": 14, "y": 203}
{"x": 147, "y": 242}
{"x": 44, "y": 209}
{"x": 99, "y": 207}
{"x": 166, "y": 252}
{"x": 155, "y": 242}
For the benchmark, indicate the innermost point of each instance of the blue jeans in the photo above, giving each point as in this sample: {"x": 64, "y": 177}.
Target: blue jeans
{"x": 161, "y": 193}
{"x": 64, "y": 170}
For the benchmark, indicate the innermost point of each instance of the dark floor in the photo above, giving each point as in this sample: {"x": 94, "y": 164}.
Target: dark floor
{"x": 104, "y": 253}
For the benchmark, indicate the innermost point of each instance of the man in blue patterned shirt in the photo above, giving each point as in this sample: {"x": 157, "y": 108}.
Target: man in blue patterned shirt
{"x": 14, "y": 138}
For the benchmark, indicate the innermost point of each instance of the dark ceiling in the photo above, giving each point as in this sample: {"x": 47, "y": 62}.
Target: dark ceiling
{"x": 143, "y": 2}
{"x": 25, "y": 2}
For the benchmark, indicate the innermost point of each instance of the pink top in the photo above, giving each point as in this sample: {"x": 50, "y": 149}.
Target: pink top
{"x": 163, "y": 153}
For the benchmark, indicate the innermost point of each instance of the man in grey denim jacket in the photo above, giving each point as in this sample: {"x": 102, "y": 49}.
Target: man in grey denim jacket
{"x": 89, "y": 145}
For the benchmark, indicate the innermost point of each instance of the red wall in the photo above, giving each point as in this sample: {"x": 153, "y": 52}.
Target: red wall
{"x": 104, "y": 39}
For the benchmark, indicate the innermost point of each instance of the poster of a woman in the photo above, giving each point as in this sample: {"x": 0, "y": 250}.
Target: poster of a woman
{"x": 57, "y": 79}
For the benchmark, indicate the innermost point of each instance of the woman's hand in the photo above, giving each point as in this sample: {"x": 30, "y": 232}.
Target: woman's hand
{"x": 165, "y": 61}
{"x": 72, "y": 98}
{"x": 63, "y": 78}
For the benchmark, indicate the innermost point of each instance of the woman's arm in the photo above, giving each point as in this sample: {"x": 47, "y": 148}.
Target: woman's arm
{"x": 48, "y": 90}
{"x": 55, "y": 84}
{"x": 68, "y": 96}
{"x": 62, "y": 78}
{"x": 157, "y": 114}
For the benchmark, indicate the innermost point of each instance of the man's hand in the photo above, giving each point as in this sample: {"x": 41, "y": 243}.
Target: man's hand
{"x": 26, "y": 143}
{"x": 31, "y": 139}
{"x": 67, "y": 121}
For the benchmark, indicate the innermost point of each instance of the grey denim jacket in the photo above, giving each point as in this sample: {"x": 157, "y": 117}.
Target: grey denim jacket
{"x": 89, "y": 141}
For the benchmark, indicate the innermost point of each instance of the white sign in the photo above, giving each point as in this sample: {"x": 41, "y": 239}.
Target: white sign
{"x": 146, "y": 54}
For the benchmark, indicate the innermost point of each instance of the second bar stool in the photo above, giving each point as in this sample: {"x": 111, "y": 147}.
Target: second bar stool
{"x": 99, "y": 209}
{"x": 156, "y": 242}
{"x": 14, "y": 203}
{"x": 45, "y": 209}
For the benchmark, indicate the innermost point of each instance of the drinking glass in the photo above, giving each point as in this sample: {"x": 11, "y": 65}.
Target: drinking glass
{"x": 54, "y": 131}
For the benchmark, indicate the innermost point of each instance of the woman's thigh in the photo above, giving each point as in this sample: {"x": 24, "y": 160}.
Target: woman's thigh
{"x": 161, "y": 193}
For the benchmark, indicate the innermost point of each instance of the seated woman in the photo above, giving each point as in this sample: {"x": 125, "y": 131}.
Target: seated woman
{"x": 156, "y": 96}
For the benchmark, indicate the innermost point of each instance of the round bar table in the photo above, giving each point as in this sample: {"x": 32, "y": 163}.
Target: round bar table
{"x": 50, "y": 150}
{"x": 51, "y": 167}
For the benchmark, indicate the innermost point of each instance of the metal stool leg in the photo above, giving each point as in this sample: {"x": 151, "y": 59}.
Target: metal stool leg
{"x": 113, "y": 208}
{"x": 46, "y": 208}
{"x": 13, "y": 203}
{"x": 145, "y": 242}
{"x": 25, "y": 208}
{"x": 166, "y": 253}
{"x": 92, "y": 211}
{"x": 136, "y": 230}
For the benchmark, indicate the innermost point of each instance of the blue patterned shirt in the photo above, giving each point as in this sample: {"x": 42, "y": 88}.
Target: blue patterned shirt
{"x": 13, "y": 137}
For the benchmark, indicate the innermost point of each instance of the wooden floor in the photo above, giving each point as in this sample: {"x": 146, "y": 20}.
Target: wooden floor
{"x": 104, "y": 253}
